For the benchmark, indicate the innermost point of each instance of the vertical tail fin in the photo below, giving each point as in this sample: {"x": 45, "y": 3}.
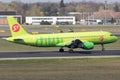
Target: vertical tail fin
{"x": 15, "y": 28}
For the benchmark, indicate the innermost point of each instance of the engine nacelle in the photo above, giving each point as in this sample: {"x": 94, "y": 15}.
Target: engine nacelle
{"x": 88, "y": 45}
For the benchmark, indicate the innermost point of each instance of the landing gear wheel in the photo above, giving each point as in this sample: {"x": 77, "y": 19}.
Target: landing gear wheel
{"x": 71, "y": 51}
{"x": 103, "y": 49}
{"x": 61, "y": 50}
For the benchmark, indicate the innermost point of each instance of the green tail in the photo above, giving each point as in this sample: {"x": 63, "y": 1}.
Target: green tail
{"x": 15, "y": 28}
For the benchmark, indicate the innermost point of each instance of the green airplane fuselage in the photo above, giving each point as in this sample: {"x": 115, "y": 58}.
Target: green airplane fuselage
{"x": 61, "y": 39}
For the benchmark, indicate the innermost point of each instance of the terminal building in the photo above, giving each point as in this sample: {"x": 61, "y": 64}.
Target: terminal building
{"x": 53, "y": 20}
{"x": 4, "y": 14}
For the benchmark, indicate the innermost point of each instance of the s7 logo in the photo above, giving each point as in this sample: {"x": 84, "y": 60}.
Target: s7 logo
{"x": 15, "y": 28}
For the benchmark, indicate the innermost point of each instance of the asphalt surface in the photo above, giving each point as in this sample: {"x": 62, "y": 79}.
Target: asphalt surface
{"x": 58, "y": 54}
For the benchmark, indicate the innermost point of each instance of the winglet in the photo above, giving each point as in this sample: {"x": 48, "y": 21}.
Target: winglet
{"x": 15, "y": 28}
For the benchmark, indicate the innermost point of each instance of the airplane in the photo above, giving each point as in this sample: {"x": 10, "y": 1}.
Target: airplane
{"x": 72, "y": 40}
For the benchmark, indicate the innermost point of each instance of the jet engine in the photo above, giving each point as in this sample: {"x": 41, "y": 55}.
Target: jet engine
{"x": 79, "y": 44}
{"x": 88, "y": 45}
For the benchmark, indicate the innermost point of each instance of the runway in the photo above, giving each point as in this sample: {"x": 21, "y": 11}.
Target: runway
{"x": 55, "y": 54}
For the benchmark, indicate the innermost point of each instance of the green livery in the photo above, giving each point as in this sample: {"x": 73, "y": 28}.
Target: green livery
{"x": 84, "y": 40}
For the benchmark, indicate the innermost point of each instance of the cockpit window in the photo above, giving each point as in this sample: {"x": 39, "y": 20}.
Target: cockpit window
{"x": 112, "y": 35}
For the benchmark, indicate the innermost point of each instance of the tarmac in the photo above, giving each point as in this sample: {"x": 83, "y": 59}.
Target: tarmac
{"x": 55, "y": 54}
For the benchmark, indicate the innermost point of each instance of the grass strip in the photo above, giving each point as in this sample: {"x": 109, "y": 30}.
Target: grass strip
{"x": 61, "y": 69}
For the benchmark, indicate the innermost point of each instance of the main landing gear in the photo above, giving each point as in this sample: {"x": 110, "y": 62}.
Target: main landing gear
{"x": 61, "y": 49}
{"x": 103, "y": 48}
{"x": 71, "y": 50}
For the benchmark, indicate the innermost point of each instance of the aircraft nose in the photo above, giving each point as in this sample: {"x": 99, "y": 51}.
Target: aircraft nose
{"x": 115, "y": 38}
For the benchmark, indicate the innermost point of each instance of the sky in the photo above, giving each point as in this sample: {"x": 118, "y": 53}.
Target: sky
{"x": 31, "y": 1}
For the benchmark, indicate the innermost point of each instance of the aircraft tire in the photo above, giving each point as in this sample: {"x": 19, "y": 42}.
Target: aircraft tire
{"x": 71, "y": 51}
{"x": 61, "y": 50}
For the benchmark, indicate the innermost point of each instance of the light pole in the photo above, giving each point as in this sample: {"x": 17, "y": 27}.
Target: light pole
{"x": 105, "y": 12}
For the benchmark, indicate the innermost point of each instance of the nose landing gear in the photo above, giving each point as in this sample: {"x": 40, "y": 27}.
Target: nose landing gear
{"x": 103, "y": 48}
